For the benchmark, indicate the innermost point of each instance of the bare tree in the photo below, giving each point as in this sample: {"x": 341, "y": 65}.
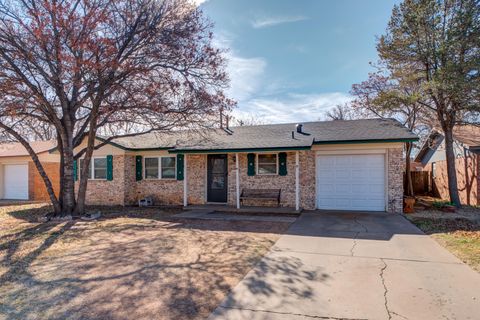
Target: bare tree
{"x": 341, "y": 112}
{"x": 249, "y": 119}
{"x": 121, "y": 67}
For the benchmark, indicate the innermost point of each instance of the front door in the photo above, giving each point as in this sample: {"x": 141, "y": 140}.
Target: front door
{"x": 217, "y": 178}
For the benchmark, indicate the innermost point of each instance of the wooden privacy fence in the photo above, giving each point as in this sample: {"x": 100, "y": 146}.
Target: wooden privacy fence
{"x": 422, "y": 182}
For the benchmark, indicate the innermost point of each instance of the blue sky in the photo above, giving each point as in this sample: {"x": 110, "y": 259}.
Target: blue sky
{"x": 290, "y": 60}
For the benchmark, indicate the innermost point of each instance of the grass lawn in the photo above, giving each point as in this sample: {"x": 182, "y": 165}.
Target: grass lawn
{"x": 132, "y": 264}
{"x": 457, "y": 232}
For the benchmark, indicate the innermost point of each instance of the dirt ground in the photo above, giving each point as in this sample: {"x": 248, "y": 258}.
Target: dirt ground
{"x": 132, "y": 264}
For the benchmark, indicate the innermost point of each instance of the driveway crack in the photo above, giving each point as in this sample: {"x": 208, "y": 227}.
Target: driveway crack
{"x": 385, "y": 289}
{"x": 294, "y": 314}
{"x": 365, "y": 229}
{"x": 354, "y": 243}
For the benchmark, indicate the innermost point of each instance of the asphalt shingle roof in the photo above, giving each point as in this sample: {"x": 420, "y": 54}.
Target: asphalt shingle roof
{"x": 272, "y": 136}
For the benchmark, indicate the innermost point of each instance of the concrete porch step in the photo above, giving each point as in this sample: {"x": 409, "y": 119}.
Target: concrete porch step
{"x": 245, "y": 209}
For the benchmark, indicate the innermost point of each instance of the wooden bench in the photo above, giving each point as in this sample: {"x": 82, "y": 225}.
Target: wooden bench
{"x": 261, "y": 194}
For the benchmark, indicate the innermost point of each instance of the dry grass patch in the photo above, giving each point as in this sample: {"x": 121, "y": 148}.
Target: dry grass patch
{"x": 459, "y": 234}
{"x": 133, "y": 264}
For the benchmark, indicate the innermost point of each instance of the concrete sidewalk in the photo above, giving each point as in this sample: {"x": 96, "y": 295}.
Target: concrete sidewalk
{"x": 355, "y": 266}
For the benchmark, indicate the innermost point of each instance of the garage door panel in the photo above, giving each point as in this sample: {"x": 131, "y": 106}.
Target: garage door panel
{"x": 342, "y": 161}
{"x": 360, "y": 174}
{"x": 15, "y": 181}
{"x": 326, "y": 161}
{"x": 359, "y": 190}
{"x": 341, "y": 174}
{"x": 351, "y": 182}
{"x": 377, "y": 190}
{"x": 342, "y": 188}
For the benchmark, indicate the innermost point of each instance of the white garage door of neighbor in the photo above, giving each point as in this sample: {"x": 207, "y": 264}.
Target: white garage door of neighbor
{"x": 351, "y": 182}
{"x": 15, "y": 181}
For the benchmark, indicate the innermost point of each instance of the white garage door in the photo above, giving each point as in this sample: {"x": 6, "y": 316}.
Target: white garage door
{"x": 15, "y": 181}
{"x": 351, "y": 182}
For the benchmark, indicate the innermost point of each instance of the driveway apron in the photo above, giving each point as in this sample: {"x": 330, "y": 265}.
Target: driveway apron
{"x": 346, "y": 265}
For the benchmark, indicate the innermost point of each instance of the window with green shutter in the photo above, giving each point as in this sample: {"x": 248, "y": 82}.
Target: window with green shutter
{"x": 138, "y": 168}
{"x": 282, "y": 163}
{"x": 109, "y": 168}
{"x": 180, "y": 166}
{"x": 251, "y": 164}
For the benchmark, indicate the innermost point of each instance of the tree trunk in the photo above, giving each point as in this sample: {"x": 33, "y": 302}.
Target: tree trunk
{"x": 82, "y": 188}
{"x": 408, "y": 172}
{"x": 451, "y": 170}
{"x": 68, "y": 181}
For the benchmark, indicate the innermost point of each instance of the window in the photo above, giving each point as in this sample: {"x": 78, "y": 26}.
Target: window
{"x": 267, "y": 163}
{"x": 434, "y": 171}
{"x": 168, "y": 168}
{"x": 151, "y": 168}
{"x": 99, "y": 169}
{"x": 160, "y": 168}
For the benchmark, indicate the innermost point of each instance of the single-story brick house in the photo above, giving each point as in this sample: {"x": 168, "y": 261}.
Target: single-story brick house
{"x": 19, "y": 178}
{"x": 467, "y": 151}
{"x": 343, "y": 165}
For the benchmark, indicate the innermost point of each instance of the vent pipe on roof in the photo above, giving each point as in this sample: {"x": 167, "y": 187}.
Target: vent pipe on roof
{"x": 299, "y": 127}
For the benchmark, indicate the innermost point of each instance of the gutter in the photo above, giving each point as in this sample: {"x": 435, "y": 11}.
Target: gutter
{"x": 365, "y": 141}
{"x": 175, "y": 151}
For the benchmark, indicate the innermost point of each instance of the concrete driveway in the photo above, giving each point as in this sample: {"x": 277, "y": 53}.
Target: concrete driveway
{"x": 355, "y": 266}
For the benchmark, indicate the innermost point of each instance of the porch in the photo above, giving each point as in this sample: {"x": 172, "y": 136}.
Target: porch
{"x": 217, "y": 180}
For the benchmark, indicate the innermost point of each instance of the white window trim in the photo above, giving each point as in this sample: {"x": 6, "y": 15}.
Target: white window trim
{"x": 159, "y": 167}
{"x": 92, "y": 168}
{"x": 257, "y": 163}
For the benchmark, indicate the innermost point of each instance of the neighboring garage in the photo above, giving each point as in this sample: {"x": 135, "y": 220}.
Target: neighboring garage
{"x": 19, "y": 179}
{"x": 351, "y": 181}
{"x": 15, "y": 181}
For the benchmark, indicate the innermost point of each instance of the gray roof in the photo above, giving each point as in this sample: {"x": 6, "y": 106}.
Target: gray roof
{"x": 272, "y": 136}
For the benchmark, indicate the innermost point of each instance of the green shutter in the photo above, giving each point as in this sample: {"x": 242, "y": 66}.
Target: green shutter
{"x": 180, "y": 166}
{"x": 282, "y": 163}
{"x": 138, "y": 168}
{"x": 251, "y": 164}
{"x": 109, "y": 167}
{"x": 75, "y": 171}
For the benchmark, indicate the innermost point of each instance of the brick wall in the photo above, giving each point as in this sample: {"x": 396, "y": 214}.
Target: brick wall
{"x": 103, "y": 192}
{"x": 36, "y": 187}
{"x": 396, "y": 165}
{"x": 467, "y": 179}
{"x": 165, "y": 191}
{"x": 196, "y": 178}
{"x": 308, "y": 180}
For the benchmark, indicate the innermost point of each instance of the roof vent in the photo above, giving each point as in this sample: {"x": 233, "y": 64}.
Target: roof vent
{"x": 299, "y": 127}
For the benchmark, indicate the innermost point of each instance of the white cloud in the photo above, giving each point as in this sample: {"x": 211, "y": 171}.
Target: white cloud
{"x": 246, "y": 73}
{"x": 245, "y": 76}
{"x": 198, "y": 2}
{"x": 294, "y": 108}
{"x": 272, "y": 21}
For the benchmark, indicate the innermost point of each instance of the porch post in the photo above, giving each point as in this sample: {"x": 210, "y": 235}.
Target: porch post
{"x": 237, "y": 180}
{"x": 297, "y": 182}
{"x": 185, "y": 185}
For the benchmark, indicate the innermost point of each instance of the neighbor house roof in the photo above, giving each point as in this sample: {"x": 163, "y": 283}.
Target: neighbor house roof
{"x": 468, "y": 135}
{"x": 16, "y": 149}
{"x": 272, "y": 136}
